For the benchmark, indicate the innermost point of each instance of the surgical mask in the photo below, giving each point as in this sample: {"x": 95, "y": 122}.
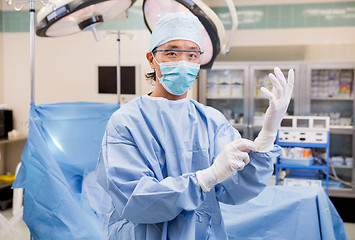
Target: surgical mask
{"x": 178, "y": 77}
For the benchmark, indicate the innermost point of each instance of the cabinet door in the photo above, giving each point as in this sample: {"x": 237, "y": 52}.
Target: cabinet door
{"x": 259, "y": 77}
{"x": 330, "y": 93}
{"x": 223, "y": 87}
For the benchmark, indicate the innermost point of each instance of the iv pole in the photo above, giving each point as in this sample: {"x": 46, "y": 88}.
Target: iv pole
{"x": 32, "y": 48}
{"x": 118, "y": 68}
{"x": 32, "y": 44}
{"x": 32, "y": 38}
{"x": 121, "y": 101}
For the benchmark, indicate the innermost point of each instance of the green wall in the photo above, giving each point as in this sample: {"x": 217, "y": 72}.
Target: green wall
{"x": 319, "y": 15}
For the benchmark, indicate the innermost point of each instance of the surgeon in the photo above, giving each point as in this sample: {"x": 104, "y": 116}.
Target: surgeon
{"x": 167, "y": 161}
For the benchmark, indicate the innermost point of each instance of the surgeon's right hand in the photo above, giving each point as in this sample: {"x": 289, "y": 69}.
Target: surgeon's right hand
{"x": 234, "y": 156}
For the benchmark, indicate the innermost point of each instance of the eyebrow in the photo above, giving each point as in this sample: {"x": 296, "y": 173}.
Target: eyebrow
{"x": 176, "y": 47}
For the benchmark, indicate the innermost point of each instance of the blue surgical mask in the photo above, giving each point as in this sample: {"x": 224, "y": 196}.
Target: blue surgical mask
{"x": 178, "y": 77}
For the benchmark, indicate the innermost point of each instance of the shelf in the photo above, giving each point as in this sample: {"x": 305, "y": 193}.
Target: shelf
{"x": 333, "y": 128}
{"x": 302, "y": 144}
{"x": 5, "y": 141}
{"x": 225, "y": 98}
{"x": 239, "y": 126}
{"x": 343, "y": 166}
{"x": 5, "y": 184}
{"x": 257, "y": 127}
{"x": 312, "y": 167}
{"x": 341, "y": 192}
{"x": 341, "y": 129}
{"x": 333, "y": 99}
{"x": 262, "y": 97}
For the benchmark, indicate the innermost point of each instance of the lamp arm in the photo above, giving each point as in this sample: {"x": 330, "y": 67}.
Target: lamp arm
{"x": 234, "y": 16}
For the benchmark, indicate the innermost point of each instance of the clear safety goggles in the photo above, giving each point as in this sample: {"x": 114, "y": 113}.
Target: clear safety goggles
{"x": 169, "y": 55}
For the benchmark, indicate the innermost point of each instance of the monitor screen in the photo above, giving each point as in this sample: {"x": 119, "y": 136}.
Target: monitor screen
{"x": 108, "y": 79}
{"x": 286, "y": 122}
{"x": 320, "y": 123}
{"x": 303, "y": 123}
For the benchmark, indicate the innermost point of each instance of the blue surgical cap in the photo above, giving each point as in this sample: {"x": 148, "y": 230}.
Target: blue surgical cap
{"x": 176, "y": 26}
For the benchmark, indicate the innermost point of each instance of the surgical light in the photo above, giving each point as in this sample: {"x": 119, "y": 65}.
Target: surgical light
{"x": 65, "y": 17}
{"x": 213, "y": 29}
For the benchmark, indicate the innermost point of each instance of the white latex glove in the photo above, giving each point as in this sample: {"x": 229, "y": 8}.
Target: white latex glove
{"x": 234, "y": 156}
{"x": 279, "y": 100}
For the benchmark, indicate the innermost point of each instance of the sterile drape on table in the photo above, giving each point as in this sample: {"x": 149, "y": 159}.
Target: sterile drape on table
{"x": 284, "y": 212}
{"x": 62, "y": 148}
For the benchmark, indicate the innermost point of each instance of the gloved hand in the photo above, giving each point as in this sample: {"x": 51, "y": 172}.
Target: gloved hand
{"x": 279, "y": 100}
{"x": 234, "y": 156}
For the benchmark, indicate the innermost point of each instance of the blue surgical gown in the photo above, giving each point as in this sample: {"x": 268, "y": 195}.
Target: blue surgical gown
{"x": 150, "y": 153}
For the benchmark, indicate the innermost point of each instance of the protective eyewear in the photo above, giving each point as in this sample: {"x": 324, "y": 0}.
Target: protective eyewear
{"x": 177, "y": 54}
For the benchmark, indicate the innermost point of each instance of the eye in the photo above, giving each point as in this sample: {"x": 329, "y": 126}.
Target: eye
{"x": 193, "y": 55}
{"x": 171, "y": 53}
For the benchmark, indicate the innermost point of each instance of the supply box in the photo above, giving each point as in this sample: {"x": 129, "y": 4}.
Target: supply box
{"x": 304, "y": 129}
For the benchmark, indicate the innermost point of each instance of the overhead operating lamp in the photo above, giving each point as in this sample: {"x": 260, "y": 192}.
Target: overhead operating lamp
{"x": 214, "y": 34}
{"x": 65, "y": 17}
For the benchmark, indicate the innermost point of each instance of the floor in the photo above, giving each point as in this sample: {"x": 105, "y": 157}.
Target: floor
{"x": 25, "y": 234}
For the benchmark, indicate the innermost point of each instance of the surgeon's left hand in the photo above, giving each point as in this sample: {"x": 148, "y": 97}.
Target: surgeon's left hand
{"x": 279, "y": 100}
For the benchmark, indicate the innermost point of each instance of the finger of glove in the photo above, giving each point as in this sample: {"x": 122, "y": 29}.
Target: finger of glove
{"x": 267, "y": 93}
{"x": 276, "y": 83}
{"x": 280, "y": 76}
{"x": 246, "y": 145}
{"x": 240, "y": 160}
{"x": 246, "y": 160}
{"x": 291, "y": 79}
{"x": 238, "y": 165}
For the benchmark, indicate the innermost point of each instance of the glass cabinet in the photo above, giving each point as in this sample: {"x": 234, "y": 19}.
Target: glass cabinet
{"x": 225, "y": 87}
{"x": 259, "y": 77}
{"x": 321, "y": 89}
{"x": 234, "y": 89}
{"x": 329, "y": 92}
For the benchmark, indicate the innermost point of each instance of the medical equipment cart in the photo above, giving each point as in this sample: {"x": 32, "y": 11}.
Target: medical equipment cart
{"x": 304, "y": 132}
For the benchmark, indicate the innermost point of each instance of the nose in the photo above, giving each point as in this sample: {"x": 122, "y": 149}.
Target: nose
{"x": 183, "y": 56}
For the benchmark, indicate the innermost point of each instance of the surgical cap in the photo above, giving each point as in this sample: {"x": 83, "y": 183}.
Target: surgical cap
{"x": 176, "y": 26}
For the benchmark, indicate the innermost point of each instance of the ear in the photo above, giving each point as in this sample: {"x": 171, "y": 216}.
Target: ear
{"x": 150, "y": 59}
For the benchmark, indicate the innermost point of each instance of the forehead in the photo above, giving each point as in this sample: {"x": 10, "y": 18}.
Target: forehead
{"x": 179, "y": 44}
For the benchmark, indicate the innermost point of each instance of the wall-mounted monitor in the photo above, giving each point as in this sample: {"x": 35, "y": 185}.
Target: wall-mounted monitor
{"x": 108, "y": 80}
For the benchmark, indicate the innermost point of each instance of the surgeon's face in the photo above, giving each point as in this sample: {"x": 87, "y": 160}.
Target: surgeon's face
{"x": 173, "y": 51}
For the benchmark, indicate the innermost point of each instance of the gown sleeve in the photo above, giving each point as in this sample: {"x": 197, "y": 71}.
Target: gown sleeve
{"x": 132, "y": 183}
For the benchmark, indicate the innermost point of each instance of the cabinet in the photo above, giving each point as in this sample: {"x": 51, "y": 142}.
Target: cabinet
{"x": 321, "y": 89}
{"x": 225, "y": 87}
{"x": 329, "y": 92}
{"x": 233, "y": 88}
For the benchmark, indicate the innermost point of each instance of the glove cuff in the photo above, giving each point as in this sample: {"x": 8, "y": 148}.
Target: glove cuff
{"x": 265, "y": 140}
{"x": 206, "y": 178}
